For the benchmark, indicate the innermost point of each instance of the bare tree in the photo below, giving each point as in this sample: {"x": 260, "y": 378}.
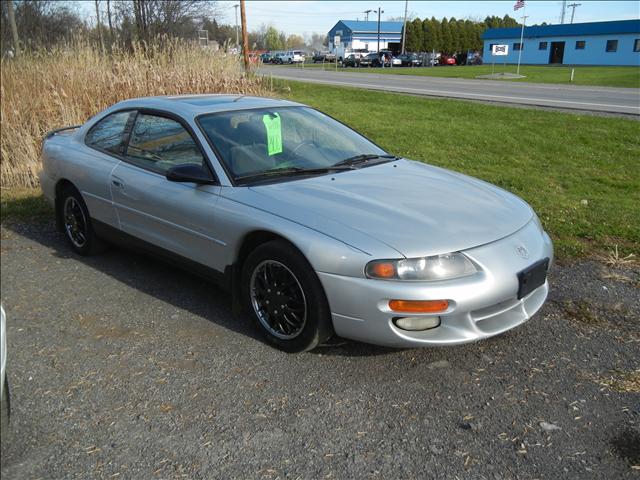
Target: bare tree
{"x": 99, "y": 26}
{"x": 14, "y": 28}
{"x": 171, "y": 17}
{"x": 41, "y": 23}
{"x": 109, "y": 20}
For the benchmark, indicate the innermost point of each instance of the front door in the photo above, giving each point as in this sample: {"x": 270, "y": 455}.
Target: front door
{"x": 178, "y": 217}
{"x": 556, "y": 55}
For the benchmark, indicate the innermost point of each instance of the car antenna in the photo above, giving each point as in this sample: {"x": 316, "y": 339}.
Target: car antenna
{"x": 239, "y": 97}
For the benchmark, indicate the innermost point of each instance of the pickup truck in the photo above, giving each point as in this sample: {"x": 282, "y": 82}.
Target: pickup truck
{"x": 324, "y": 57}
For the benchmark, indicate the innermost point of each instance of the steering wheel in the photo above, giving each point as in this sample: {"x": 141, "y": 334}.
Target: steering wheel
{"x": 308, "y": 144}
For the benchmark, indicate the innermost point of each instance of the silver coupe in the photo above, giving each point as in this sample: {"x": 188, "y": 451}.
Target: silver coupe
{"x": 313, "y": 228}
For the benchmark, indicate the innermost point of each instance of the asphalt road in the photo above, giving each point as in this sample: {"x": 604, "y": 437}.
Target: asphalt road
{"x": 594, "y": 99}
{"x": 123, "y": 367}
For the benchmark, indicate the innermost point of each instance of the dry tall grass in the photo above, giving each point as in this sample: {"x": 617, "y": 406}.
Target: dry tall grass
{"x": 41, "y": 91}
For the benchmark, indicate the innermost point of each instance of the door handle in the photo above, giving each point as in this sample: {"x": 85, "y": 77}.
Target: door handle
{"x": 117, "y": 183}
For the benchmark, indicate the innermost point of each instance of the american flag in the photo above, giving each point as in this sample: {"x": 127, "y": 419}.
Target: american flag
{"x": 519, "y": 4}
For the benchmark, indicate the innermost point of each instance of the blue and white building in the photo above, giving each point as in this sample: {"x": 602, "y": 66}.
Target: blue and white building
{"x": 598, "y": 43}
{"x": 363, "y": 35}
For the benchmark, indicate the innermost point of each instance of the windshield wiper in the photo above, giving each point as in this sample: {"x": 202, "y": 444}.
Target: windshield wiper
{"x": 362, "y": 158}
{"x": 291, "y": 171}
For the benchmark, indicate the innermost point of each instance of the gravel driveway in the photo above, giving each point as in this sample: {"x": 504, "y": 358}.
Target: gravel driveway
{"x": 123, "y": 367}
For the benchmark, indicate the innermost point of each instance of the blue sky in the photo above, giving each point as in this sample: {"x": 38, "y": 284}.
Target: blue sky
{"x": 319, "y": 16}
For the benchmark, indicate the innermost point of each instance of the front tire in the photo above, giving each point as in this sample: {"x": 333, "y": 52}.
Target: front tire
{"x": 76, "y": 223}
{"x": 283, "y": 294}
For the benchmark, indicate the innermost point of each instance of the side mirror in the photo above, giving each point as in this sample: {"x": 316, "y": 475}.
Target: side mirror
{"x": 188, "y": 172}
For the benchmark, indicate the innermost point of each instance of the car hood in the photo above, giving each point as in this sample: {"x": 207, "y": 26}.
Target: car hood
{"x": 416, "y": 209}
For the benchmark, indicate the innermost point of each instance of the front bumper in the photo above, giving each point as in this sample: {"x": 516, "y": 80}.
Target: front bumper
{"x": 481, "y": 305}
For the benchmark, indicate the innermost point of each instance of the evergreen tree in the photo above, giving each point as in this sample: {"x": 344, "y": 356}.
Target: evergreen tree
{"x": 447, "y": 41}
{"x": 415, "y": 36}
{"x": 437, "y": 34}
{"x": 427, "y": 35}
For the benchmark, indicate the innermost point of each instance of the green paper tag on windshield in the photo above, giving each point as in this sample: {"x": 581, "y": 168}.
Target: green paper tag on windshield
{"x": 274, "y": 133}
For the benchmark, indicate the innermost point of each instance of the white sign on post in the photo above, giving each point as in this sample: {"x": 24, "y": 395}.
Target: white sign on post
{"x": 336, "y": 41}
{"x": 499, "y": 50}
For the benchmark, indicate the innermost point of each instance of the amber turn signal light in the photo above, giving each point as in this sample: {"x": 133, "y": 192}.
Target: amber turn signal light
{"x": 419, "y": 306}
{"x": 384, "y": 270}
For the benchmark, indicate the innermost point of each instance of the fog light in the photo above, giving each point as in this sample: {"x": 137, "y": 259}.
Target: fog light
{"x": 417, "y": 323}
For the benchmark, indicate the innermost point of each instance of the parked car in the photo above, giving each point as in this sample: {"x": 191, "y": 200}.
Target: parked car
{"x": 389, "y": 60}
{"x": 324, "y": 57}
{"x": 366, "y": 60}
{"x": 474, "y": 58}
{"x": 352, "y": 60}
{"x": 278, "y": 58}
{"x": 293, "y": 56}
{"x": 410, "y": 60}
{"x": 266, "y": 57}
{"x": 344, "y": 53}
{"x": 447, "y": 60}
{"x": 312, "y": 227}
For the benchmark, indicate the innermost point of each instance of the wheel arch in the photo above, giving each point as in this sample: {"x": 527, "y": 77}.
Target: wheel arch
{"x": 254, "y": 239}
{"x": 248, "y": 244}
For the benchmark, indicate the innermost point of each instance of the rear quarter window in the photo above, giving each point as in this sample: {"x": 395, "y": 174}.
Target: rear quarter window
{"x": 109, "y": 133}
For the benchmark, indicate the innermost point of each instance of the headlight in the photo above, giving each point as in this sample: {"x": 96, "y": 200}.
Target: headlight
{"x": 437, "y": 267}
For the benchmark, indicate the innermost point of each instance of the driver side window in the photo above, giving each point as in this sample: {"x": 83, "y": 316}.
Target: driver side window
{"x": 160, "y": 143}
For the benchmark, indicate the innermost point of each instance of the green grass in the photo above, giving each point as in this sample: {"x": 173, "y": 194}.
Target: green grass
{"x": 580, "y": 173}
{"x": 594, "y": 76}
{"x": 23, "y": 204}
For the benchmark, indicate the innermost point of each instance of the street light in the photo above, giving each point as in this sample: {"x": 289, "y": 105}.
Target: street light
{"x": 379, "y": 12}
{"x": 366, "y": 13}
{"x": 237, "y": 38}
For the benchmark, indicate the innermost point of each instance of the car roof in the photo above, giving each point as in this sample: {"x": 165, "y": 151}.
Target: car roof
{"x": 190, "y": 106}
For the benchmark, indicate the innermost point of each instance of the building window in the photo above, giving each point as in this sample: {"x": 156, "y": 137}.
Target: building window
{"x": 542, "y": 46}
{"x": 517, "y": 46}
{"x": 612, "y": 45}
{"x": 636, "y": 45}
{"x": 580, "y": 44}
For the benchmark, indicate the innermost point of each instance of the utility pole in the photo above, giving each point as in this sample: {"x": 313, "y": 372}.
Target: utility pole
{"x": 524, "y": 20}
{"x": 404, "y": 26}
{"x": 573, "y": 12}
{"x": 237, "y": 39}
{"x": 366, "y": 15}
{"x": 564, "y": 9}
{"x": 14, "y": 29}
{"x": 245, "y": 37}
{"x": 99, "y": 27}
{"x": 379, "y": 12}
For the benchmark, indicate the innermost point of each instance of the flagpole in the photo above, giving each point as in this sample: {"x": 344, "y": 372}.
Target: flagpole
{"x": 524, "y": 20}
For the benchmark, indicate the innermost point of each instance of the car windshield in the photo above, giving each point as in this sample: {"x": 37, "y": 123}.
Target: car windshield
{"x": 283, "y": 140}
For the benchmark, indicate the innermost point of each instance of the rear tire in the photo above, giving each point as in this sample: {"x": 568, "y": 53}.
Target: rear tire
{"x": 284, "y": 296}
{"x": 76, "y": 223}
